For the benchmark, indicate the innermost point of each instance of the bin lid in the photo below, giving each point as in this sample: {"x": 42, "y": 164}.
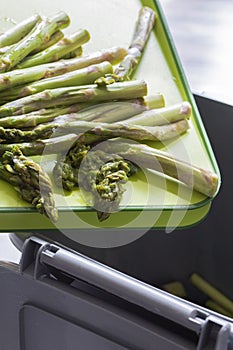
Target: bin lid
{"x": 60, "y": 297}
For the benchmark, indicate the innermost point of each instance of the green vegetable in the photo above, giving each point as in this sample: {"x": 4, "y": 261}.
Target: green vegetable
{"x": 163, "y": 115}
{"x": 100, "y": 174}
{"x": 58, "y": 35}
{"x": 69, "y": 95}
{"x": 38, "y": 117}
{"x": 23, "y": 76}
{"x": 104, "y": 130}
{"x": 28, "y": 178}
{"x": 83, "y": 76}
{"x": 212, "y": 292}
{"x": 18, "y": 31}
{"x": 194, "y": 177}
{"x": 58, "y": 50}
{"x": 42, "y": 32}
{"x": 143, "y": 28}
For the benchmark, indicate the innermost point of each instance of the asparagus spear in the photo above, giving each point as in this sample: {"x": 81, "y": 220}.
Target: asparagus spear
{"x": 70, "y": 95}
{"x": 58, "y": 35}
{"x": 53, "y": 145}
{"x": 108, "y": 187}
{"x": 72, "y": 54}
{"x": 38, "y": 117}
{"x": 18, "y": 31}
{"x": 210, "y": 304}
{"x": 103, "y": 112}
{"x": 100, "y": 174}
{"x": 23, "y": 76}
{"x": 58, "y": 50}
{"x": 143, "y": 28}
{"x": 28, "y": 178}
{"x": 40, "y": 33}
{"x": 212, "y": 292}
{"x": 4, "y": 49}
{"x": 106, "y": 130}
{"x": 83, "y": 76}
{"x": 53, "y": 40}
{"x": 106, "y": 112}
{"x": 144, "y": 25}
{"x": 163, "y": 115}
{"x": 199, "y": 179}
{"x": 111, "y": 112}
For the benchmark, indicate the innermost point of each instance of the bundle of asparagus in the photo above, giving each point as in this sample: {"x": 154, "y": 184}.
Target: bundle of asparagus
{"x": 50, "y": 101}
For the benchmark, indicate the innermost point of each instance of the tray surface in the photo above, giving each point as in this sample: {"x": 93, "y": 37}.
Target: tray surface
{"x": 150, "y": 200}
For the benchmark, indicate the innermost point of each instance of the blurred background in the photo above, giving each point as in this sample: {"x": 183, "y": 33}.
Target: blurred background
{"x": 203, "y": 35}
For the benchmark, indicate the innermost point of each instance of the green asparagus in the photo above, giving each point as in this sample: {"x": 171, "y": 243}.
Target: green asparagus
{"x": 104, "y": 130}
{"x": 34, "y": 118}
{"x": 83, "y": 76}
{"x": 100, "y": 174}
{"x": 23, "y": 76}
{"x": 72, "y": 54}
{"x": 28, "y": 178}
{"x": 58, "y": 50}
{"x": 106, "y": 112}
{"x": 40, "y": 33}
{"x": 111, "y": 112}
{"x": 70, "y": 95}
{"x": 199, "y": 179}
{"x": 18, "y": 31}
{"x": 53, "y": 40}
{"x": 4, "y": 49}
{"x": 53, "y": 145}
{"x": 57, "y": 36}
{"x": 163, "y": 115}
{"x": 143, "y": 28}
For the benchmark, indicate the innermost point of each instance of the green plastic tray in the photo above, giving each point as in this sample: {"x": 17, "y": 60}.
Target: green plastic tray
{"x": 150, "y": 200}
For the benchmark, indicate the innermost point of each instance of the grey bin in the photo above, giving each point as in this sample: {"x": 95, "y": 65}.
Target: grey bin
{"x": 110, "y": 298}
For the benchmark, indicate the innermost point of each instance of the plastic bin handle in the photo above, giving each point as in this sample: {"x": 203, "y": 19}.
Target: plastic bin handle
{"x": 45, "y": 256}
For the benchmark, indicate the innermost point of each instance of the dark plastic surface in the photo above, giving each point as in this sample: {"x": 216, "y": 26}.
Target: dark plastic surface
{"x": 66, "y": 299}
{"x": 45, "y": 314}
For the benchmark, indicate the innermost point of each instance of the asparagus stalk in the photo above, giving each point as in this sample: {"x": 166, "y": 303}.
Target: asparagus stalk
{"x": 53, "y": 145}
{"x": 23, "y": 76}
{"x": 35, "y": 38}
{"x": 210, "y": 304}
{"x": 72, "y": 54}
{"x": 212, "y": 292}
{"x": 106, "y": 130}
{"x": 163, "y": 115}
{"x": 69, "y": 95}
{"x": 58, "y": 50}
{"x": 28, "y": 178}
{"x": 100, "y": 174}
{"x": 112, "y": 112}
{"x": 53, "y": 40}
{"x": 57, "y": 36}
{"x": 4, "y": 49}
{"x": 38, "y": 117}
{"x": 83, "y": 76}
{"x": 143, "y": 28}
{"x": 201, "y": 180}
{"x": 106, "y": 112}
{"x": 18, "y": 31}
